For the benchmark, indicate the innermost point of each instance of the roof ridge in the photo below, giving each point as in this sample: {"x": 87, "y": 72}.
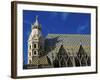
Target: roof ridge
{"x": 67, "y": 34}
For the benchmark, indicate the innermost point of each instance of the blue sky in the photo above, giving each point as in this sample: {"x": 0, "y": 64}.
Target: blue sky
{"x": 55, "y": 23}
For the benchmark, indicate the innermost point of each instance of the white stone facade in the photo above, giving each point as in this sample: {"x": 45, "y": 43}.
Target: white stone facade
{"x": 35, "y": 43}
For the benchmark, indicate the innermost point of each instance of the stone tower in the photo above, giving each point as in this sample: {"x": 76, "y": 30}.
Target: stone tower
{"x": 35, "y": 44}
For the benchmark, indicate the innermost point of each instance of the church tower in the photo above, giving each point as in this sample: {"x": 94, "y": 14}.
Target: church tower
{"x": 35, "y": 43}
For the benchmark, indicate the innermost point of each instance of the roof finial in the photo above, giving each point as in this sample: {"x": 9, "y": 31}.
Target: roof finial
{"x": 36, "y": 22}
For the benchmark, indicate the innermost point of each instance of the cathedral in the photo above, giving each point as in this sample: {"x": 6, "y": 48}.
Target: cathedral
{"x": 57, "y": 50}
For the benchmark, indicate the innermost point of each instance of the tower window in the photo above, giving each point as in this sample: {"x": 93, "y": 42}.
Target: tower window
{"x": 35, "y": 52}
{"x": 34, "y": 45}
{"x": 30, "y": 46}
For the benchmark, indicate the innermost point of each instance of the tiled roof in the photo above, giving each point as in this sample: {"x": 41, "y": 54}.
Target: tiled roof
{"x": 40, "y": 61}
{"x": 43, "y": 60}
{"x": 71, "y": 43}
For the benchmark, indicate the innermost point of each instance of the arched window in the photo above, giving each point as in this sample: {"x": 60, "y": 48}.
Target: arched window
{"x": 34, "y": 52}
{"x": 30, "y": 46}
{"x": 34, "y": 45}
